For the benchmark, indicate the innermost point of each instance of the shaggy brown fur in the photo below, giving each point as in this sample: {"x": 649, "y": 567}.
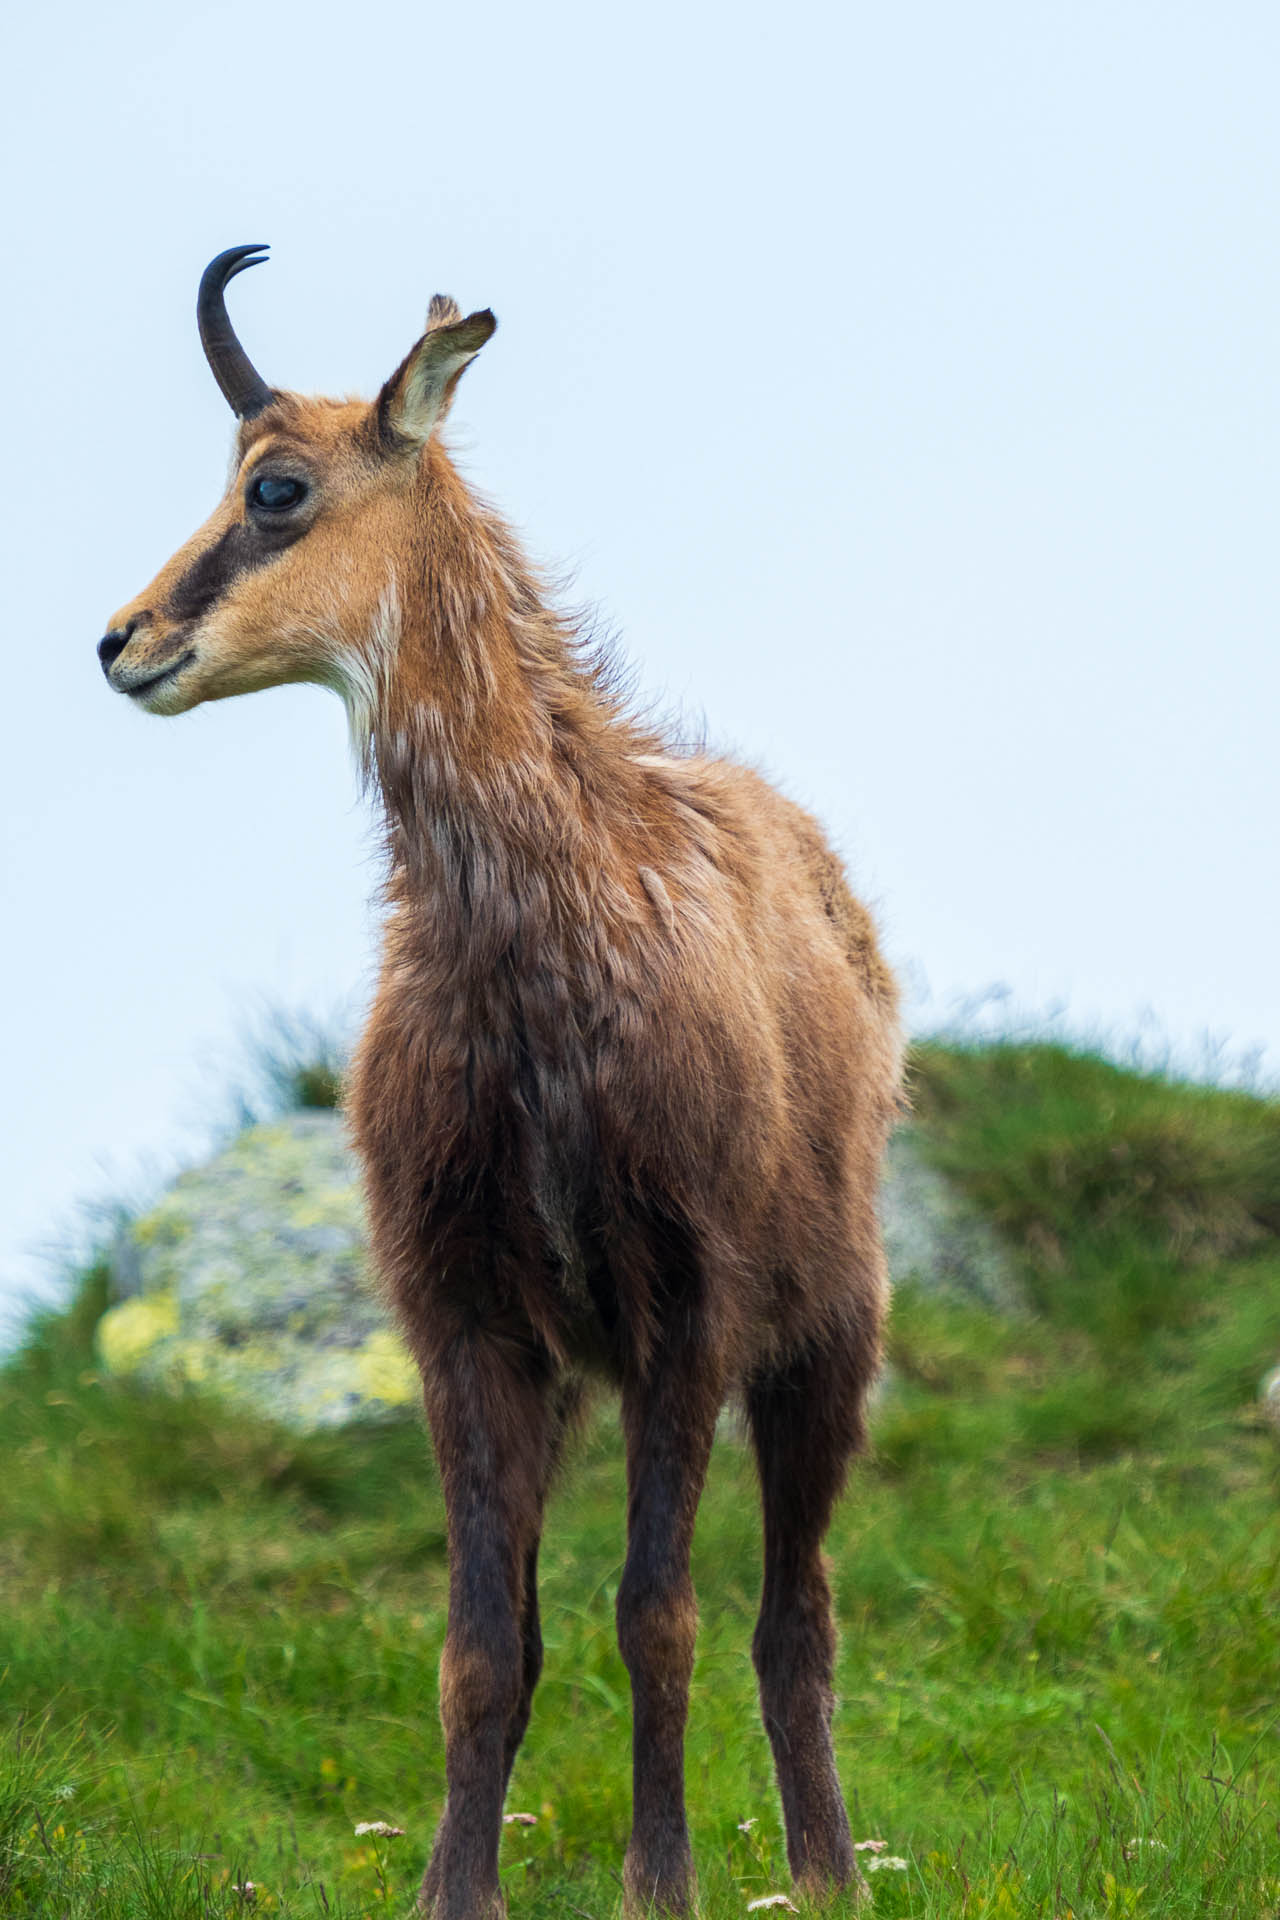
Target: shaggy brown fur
{"x": 621, "y": 1100}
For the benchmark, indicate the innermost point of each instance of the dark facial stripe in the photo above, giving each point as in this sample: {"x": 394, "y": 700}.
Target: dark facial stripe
{"x": 241, "y": 549}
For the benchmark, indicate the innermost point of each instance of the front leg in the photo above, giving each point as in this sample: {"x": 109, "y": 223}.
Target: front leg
{"x": 488, "y": 1403}
{"x": 670, "y": 1421}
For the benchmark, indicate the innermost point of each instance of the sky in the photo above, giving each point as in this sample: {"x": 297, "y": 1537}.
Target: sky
{"x": 900, "y": 383}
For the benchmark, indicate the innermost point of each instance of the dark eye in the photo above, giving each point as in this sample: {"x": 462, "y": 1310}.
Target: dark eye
{"x": 275, "y": 495}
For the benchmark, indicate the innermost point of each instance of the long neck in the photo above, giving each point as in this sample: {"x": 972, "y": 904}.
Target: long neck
{"x": 517, "y": 811}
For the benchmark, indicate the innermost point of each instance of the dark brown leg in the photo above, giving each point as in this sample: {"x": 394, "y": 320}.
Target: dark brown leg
{"x": 669, "y": 1420}
{"x": 489, "y": 1406}
{"x": 566, "y": 1403}
{"x": 530, "y": 1664}
{"x": 805, "y": 1422}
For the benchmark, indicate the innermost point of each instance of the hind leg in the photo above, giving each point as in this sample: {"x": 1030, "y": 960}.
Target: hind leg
{"x": 565, "y": 1405}
{"x": 669, "y": 1420}
{"x": 806, "y": 1420}
{"x": 489, "y": 1405}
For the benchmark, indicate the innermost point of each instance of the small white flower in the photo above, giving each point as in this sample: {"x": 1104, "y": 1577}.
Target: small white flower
{"x": 247, "y": 1889}
{"x": 745, "y": 1826}
{"x": 519, "y": 1819}
{"x": 870, "y": 1846}
{"x": 771, "y": 1900}
{"x": 379, "y": 1828}
{"x": 64, "y": 1793}
{"x": 894, "y": 1861}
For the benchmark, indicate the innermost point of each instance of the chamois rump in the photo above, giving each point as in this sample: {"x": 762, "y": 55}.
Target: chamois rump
{"x": 622, "y": 1097}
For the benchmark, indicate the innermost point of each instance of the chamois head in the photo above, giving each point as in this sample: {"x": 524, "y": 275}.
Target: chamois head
{"x": 290, "y": 573}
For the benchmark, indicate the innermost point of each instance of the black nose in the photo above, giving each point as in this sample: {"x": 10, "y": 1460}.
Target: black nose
{"x": 113, "y": 644}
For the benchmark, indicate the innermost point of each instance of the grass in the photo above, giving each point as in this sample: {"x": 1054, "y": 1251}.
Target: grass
{"x": 294, "y": 1063}
{"x": 1057, "y": 1575}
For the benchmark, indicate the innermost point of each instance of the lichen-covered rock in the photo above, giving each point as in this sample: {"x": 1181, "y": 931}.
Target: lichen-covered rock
{"x": 249, "y": 1276}
{"x": 934, "y": 1238}
{"x": 1269, "y": 1398}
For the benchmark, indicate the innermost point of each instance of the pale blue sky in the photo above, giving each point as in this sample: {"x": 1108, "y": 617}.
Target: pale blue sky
{"x": 901, "y": 382}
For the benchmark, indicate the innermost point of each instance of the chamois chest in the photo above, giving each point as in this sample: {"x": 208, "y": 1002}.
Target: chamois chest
{"x": 514, "y": 1156}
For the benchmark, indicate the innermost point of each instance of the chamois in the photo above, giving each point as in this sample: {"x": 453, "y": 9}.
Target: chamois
{"x": 622, "y": 1097}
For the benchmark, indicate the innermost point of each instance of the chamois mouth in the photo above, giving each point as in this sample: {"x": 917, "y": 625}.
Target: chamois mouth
{"x": 141, "y": 689}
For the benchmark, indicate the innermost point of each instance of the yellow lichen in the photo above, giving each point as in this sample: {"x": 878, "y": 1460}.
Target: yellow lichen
{"x": 128, "y": 1332}
{"x": 385, "y": 1372}
{"x": 160, "y": 1228}
{"x": 190, "y": 1361}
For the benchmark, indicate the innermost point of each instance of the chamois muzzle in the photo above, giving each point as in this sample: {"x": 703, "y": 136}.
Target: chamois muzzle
{"x": 243, "y": 387}
{"x": 113, "y": 644}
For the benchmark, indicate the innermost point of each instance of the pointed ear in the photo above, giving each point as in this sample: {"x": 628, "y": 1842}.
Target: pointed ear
{"x": 417, "y": 396}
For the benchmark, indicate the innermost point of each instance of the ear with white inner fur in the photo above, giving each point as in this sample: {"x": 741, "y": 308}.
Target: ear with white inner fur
{"x": 418, "y": 395}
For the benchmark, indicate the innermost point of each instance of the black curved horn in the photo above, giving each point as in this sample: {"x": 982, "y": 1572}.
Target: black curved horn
{"x": 243, "y": 388}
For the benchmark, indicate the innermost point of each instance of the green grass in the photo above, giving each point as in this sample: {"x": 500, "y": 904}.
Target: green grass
{"x": 1057, "y": 1575}
{"x": 292, "y": 1063}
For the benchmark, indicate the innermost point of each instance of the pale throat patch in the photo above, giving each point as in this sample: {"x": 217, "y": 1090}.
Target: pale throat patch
{"x": 363, "y": 672}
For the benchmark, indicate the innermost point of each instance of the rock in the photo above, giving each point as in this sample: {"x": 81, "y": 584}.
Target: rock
{"x": 1269, "y": 1399}
{"x": 249, "y": 1277}
{"x": 934, "y": 1238}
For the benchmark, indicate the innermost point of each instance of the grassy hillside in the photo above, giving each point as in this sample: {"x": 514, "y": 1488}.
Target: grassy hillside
{"x": 1057, "y": 1576}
